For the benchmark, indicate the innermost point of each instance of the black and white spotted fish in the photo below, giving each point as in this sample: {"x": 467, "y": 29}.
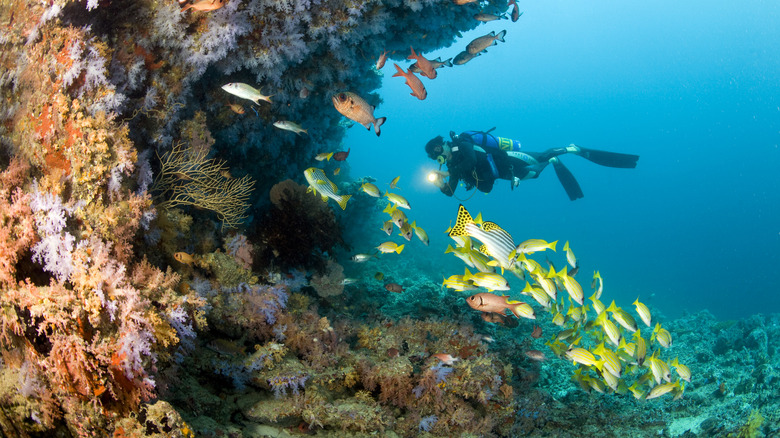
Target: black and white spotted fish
{"x": 497, "y": 242}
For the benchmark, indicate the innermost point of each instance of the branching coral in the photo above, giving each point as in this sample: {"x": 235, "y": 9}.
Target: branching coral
{"x": 188, "y": 178}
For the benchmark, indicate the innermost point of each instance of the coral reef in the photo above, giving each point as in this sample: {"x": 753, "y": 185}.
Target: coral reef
{"x": 121, "y": 316}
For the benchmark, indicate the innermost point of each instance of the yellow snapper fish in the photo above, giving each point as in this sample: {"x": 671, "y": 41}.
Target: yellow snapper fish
{"x": 398, "y": 200}
{"x": 597, "y": 284}
{"x": 662, "y": 389}
{"x": 538, "y": 294}
{"x": 398, "y": 216}
{"x": 531, "y": 246}
{"x": 569, "y": 283}
{"x": 387, "y": 227}
{"x": 394, "y": 183}
{"x": 659, "y": 368}
{"x": 370, "y": 189}
{"x": 622, "y": 317}
{"x": 610, "y": 360}
{"x": 458, "y": 283}
{"x": 610, "y": 329}
{"x": 290, "y": 126}
{"x": 683, "y": 371}
{"x": 498, "y": 242}
{"x": 246, "y": 91}
{"x": 488, "y": 280}
{"x": 406, "y": 231}
{"x": 598, "y": 306}
{"x": 320, "y": 184}
{"x": 581, "y": 356}
{"x": 643, "y": 312}
{"x": 353, "y": 107}
{"x": 323, "y": 156}
{"x": 460, "y": 253}
{"x": 420, "y": 233}
{"x": 569, "y": 255}
{"x": 389, "y": 247}
{"x": 661, "y": 335}
{"x": 640, "y": 351}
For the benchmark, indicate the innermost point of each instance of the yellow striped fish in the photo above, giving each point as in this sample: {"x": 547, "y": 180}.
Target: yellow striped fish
{"x": 661, "y": 335}
{"x": 683, "y": 371}
{"x": 499, "y": 243}
{"x": 320, "y": 184}
{"x": 643, "y": 312}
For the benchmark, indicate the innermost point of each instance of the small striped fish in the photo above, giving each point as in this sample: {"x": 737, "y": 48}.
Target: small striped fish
{"x": 499, "y": 243}
{"x": 320, "y": 184}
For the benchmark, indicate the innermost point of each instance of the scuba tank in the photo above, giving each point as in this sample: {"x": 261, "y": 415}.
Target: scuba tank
{"x": 484, "y": 142}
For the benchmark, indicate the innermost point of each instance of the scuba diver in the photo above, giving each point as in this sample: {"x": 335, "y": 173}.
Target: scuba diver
{"x": 478, "y": 158}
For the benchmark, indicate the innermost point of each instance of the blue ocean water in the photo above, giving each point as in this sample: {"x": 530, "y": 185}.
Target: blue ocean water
{"x": 694, "y": 89}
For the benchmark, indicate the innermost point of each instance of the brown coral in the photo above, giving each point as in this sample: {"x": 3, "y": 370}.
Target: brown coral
{"x": 281, "y": 241}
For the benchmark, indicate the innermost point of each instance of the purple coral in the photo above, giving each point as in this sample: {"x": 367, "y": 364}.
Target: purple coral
{"x": 427, "y": 423}
{"x": 280, "y": 384}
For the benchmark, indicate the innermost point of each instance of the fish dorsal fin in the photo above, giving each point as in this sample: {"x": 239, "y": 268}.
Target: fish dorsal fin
{"x": 464, "y": 218}
{"x": 490, "y": 226}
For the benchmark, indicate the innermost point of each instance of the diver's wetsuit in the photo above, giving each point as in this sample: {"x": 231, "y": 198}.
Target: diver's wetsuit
{"x": 473, "y": 166}
{"x": 478, "y": 159}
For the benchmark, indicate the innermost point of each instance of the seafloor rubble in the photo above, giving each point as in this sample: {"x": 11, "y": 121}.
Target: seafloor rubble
{"x": 153, "y": 278}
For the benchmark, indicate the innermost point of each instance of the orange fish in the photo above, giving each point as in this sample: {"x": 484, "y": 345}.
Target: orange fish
{"x": 488, "y": 302}
{"x": 381, "y": 61}
{"x": 394, "y": 287}
{"x": 447, "y": 359}
{"x": 418, "y": 89}
{"x": 537, "y": 332}
{"x": 183, "y": 257}
{"x": 205, "y": 5}
{"x": 353, "y": 107}
{"x": 236, "y": 108}
{"x": 426, "y": 69}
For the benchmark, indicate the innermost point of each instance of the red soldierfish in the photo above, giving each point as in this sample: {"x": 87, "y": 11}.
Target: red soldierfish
{"x": 418, "y": 89}
{"x": 353, "y": 107}
{"x": 204, "y": 5}
{"x": 341, "y": 155}
{"x": 487, "y": 302}
{"x": 381, "y": 61}
{"x": 426, "y": 69}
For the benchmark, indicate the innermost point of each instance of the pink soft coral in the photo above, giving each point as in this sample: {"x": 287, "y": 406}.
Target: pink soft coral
{"x": 16, "y": 221}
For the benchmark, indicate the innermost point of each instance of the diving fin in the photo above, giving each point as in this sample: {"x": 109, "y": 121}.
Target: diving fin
{"x": 609, "y": 159}
{"x": 567, "y": 180}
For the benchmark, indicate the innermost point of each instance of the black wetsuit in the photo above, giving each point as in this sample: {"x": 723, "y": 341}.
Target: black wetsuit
{"x": 473, "y": 165}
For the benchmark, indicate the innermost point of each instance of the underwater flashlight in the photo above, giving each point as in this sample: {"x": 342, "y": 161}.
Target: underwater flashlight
{"x": 432, "y": 177}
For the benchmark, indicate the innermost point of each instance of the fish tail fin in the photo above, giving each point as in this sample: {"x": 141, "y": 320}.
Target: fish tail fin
{"x": 343, "y": 201}
{"x": 329, "y": 156}
{"x": 379, "y": 123}
{"x": 305, "y": 131}
{"x": 399, "y": 249}
{"x": 501, "y": 35}
{"x": 389, "y": 209}
{"x": 400, "y": 71}
{"x": 449, "y": 249}
{"x": 189, "y": 5}
{"x": 459, "y": 229}
{"x": 448, "y": 62}
{"x": 413, "y": 55}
